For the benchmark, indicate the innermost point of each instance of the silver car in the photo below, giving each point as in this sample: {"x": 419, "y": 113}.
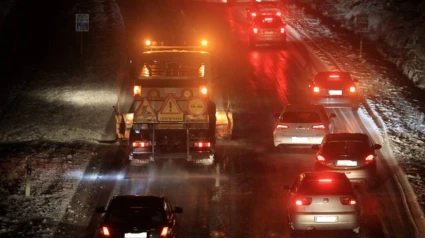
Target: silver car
{"x": 323, "y": 201}
{"x": 302, "y": 125}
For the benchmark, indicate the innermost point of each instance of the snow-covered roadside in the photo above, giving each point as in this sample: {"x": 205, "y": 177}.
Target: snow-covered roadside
{"x": 402, "y": 116}
{"x": 396, "y": 26}
{"x": 55, "y": 122}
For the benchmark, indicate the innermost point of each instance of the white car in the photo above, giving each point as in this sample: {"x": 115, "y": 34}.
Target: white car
{"x": 302, "y": 125}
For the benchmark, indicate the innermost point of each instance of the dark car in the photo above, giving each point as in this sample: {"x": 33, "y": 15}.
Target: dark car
{"x": 267, "y": 29}
{"x": 335, "y": 90}
{"x": 349, "y": 153}
{"x": 323, "y": 201}
{"x": 138, "y": 216}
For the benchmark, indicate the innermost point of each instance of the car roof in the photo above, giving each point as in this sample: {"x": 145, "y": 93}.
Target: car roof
{"x": 347, "y": 136}
{"x": 140, "y": 201}
{"x": 303, "y": 107}
{"x": 325, "y": 174}
{"x": 326, "y": 75}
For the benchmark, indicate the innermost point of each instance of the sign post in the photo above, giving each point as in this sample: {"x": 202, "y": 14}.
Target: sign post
{"x": 81, "y": 25}
{"x": 362, "y": 25}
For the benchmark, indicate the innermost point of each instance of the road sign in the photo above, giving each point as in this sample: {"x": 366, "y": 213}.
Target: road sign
{"x": 196, "y": 106}
{"x": 362, "y": 22}
{"x": 144, "y": 112}
{"x": 170, "y": 110}
{"x": 82, "y": 22}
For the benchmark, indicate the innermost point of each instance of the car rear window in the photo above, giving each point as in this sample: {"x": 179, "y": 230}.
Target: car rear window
{"x": 345, "y": 148}
{"x": 333, "y": 79}
{"x": 140, "y": 214}
{"x": 300, "y": 117}
{"x": 267, "y": 22}
{"x": 327, "y": 187}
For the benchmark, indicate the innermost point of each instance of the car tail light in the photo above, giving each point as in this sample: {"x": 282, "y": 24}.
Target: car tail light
{"x": 253, "y": 14}
{"x": 282, "y": 30}
{"x": 140, "y": 144}
{"x": 369, "y": 159}
{"x": 302, "y": 201}
{"x": 202, "y": 144}
{"x": 282, "y": 127}
{"x": 320, "y": 158}
{"x": 318, "y": 127}
{"x": 137, "y": 90}
{"x": 255, "y": 30}
{"x": 352, "y": 89}
{"x": 278, "y": 14}
{"x": 334, "y": 76}
{"x": 348, "y": 201}
{"x": 165, "y": 231}
{"x": 316, "y": 89}
{"x": 203, "y": 90}
{"x": 105, "y": 231}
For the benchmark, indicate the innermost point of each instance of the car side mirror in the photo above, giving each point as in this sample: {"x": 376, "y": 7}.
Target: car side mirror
{"x": 315, "y": 147}
{"x": 100, "y": 210}
{"x": 377, "y": 146}
{"x": 332, "y": 115}
{"x": 178, "y": 210}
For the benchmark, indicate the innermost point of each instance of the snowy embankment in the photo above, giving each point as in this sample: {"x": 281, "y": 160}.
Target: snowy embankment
{"x": 66, "y": 101}
{"x": 398, "y": 28}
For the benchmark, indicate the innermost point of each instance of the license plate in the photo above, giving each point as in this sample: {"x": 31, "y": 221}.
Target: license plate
{"x": 346, "y": 163}
{"x": 335, "y": 92}
{"x": 136, "y": 235}
{"x": 328, "y": 219}
{"x": 299, "y": 139}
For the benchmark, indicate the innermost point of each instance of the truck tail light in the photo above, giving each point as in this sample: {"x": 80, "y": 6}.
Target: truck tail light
{"x": 316, "y": 89}
{"x": 348, "y": 201}
{"x": 352, "y": 89}
{"x": 318, "y": 127}
{"x": 282, "y": 30}
{"x": 302, "y": 201}
{"x": 255, "y": 30}
{"x": 137, "y": 90}
{"x": 278, "y": 14}
{"x": 140, "y": 144}
{"x": 253, "y": 14}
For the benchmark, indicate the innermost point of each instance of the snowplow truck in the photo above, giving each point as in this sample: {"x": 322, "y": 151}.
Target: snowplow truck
{"x": 176, "y": 112}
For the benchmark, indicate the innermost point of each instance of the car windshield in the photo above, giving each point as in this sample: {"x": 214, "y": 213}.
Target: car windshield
{"x": 140, "y": 214}
{"x": 300, "y": 117}
{"x": 345, "y": 147}
{"x": 268, "y": 22}
{"x": 325, "y": 187}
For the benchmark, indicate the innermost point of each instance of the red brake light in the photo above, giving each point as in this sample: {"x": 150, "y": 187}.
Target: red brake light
{"x": 320, "y": 158}
{"x": 325, "y": 180}
{"x": 282, "y": 127}
{"x": 334, "y": 76}
{"x": 140, "y": 144}
{"x": 348, "y": 201}
{"x": 369, "y": 159}
{"x": 303, "y": 201}
{"x": 278, "y": 14}
{"x": 255, "y": 30}
{"x": 318, "y": 127}
{"x": 105, "y": 231}
{"x": 137, "y": 90}
{"x": 164, "y": 232}
{"x": 316, "y": 89}
{"x": 282, "y": 30}
{"x": 352, "y": 89}
{"x": 202, "y": 144}
{"x": 253, "y": 14}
